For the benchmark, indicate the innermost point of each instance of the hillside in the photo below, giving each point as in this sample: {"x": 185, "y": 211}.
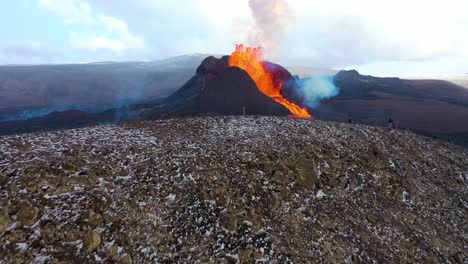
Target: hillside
{"x": 232, "y": 189}
{"x": 217, "y": 89}
{"x": 460, "y": 79}
{"x": 435, "y": 108}
{"x": 35, "y": 90}
{"x": 430, "y": 107}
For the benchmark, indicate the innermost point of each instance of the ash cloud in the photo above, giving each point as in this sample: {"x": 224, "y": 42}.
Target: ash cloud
{"x": 272, "y": 18}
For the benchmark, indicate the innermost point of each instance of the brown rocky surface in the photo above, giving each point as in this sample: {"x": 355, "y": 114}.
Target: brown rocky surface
{"x": 232, "y": 190}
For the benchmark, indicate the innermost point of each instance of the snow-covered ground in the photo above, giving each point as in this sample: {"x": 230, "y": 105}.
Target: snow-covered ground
{"x": 232, "y": 189}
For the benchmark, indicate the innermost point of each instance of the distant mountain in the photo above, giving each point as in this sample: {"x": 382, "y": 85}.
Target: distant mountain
{"x": 147, "y": 90}
{"x": 431, "y": 107}
{"x": 34, "y": 90}
{"x": 460, "y": 79}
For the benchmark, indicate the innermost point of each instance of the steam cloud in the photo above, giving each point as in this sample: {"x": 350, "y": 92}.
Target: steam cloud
{"x": 316, "y": 89}
{"x": 271, "y": 17}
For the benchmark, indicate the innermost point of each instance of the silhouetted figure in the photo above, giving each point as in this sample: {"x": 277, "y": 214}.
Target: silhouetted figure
{"x": 390, "y": 123}
{"x": 350, "y": 121}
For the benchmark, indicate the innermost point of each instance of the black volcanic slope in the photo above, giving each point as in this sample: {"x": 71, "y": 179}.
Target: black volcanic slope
{"x": 58, "y": 120}
{"x": 430, "y": 107}
{"x": 217, "y": 89}
{"x": 89, "y": 86}
{"x": 233, "y": 89}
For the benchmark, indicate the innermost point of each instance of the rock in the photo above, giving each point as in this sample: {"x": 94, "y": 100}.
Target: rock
{"x": 72, "y": 235}
{"x": 229, "y": 221}
{"x": 100, "y": 204}
{"x": 5, "y": 221}
{"x": 271, "y": 203}
{"x": 60, "y": 190}
{"x": 92, "y": 241}
{"x": 18, "y": 259}
{"x": 245, "y": 255}
{"x": 222, "y": 198}
{"x": 17, "y": 236}
{"x": 92, "y": 218}
{"x": 27, "y": 213}
{"x": 307, "y": 173}
{"x": 256, "y": 220}
{"x": 48, "y": 234}
{"x": 112, "y": 251}
{"x": 432, "y": 259}
{"x": 326, "y": 247}
{"x": 232, "y": 259}
{"x": 267, "y": 166}
{"x": 3, "y": 179}
{"x": 327, "y": 223}
{"x": 458, "y": 258}
{"x": 125, "y": 259}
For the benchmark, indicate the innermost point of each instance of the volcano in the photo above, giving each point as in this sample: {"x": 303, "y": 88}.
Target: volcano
{"x": 235, "y": 85}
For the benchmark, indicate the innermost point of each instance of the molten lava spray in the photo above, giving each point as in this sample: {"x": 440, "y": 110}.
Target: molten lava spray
{"x": 250, "y": 60}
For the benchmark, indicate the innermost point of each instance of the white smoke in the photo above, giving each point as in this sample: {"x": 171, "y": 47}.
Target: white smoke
{"x": 271, "y": 17}
{"x": 318, "y": 88}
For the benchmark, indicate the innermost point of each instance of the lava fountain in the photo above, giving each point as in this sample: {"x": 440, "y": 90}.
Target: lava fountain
{"x": 250, "y": 60}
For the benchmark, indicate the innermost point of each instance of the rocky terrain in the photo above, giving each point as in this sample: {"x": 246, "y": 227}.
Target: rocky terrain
{"x": 232, "y": 190}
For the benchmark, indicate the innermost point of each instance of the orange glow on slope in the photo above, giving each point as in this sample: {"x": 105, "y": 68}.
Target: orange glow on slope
{"x": 250, "y": 60}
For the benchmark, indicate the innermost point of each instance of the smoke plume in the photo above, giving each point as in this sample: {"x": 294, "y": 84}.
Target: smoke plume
{"x": 316, "y": 89}
{"x": 272, "y": 18}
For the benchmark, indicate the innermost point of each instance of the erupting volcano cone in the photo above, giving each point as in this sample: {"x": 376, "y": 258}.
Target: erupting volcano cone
{"x": 250, "y": 60}
{"x": 218, "y": 89}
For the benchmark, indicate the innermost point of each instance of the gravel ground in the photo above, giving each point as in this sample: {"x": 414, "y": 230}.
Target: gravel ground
{"x": 232, "y": 190}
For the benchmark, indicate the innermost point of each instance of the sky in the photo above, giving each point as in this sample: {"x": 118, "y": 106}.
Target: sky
{"x": 384, "y": 38}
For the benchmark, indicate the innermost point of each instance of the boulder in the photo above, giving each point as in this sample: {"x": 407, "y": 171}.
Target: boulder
{"x": 92, "y": 241}
{"x": 27, "y": 213}
{"x": 5, "y": 221}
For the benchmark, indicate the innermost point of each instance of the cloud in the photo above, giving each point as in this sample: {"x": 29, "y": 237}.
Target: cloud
{"x": 338, "y": 33}
{"x": 95, "y": 42}
{"x": 120, "y": 40}
{"x": 174, "y": 28}
{"x": 331, "y": 33}
{"x": 28, "y": 52}
{"x": 73, "y": 11}
{"x": 98, "y": 31}
{"x": 120, "y": 28}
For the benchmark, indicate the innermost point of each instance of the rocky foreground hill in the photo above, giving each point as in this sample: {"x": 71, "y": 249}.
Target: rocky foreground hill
{"x": 232, "y": 190}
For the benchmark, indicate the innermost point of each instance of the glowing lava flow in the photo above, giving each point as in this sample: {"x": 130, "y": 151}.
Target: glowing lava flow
{"x": 250, "y": 60}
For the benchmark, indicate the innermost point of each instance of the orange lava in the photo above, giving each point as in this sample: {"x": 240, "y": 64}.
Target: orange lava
{"x": 250, "y": 60}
